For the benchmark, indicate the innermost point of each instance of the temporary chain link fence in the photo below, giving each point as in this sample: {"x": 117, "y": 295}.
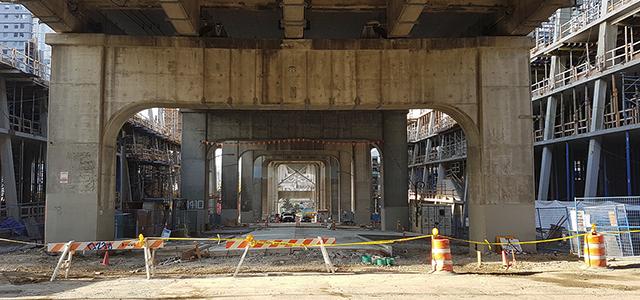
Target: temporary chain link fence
{"x": 613, "y": 215}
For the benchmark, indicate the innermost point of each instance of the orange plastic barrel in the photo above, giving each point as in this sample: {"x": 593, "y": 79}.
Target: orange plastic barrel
{"x": 594, "y": 251}
{"x": 441, "y": 255}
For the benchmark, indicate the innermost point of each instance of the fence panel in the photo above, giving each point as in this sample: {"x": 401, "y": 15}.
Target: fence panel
{"x": 612, "y": 215}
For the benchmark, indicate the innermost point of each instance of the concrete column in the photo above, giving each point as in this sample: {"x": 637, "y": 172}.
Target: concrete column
{"x": 193, "y": 156}
{"x": 271, "y": 194}
{"x": 230, "y": 183}
{"x": 6, "y": 157}
{"x": 345, "y": 179}
{"x": 501, "y": 164}
{"x": 194, "y": 169}
{"x": 547, "y": 154}
{"x": 606, "y": 41}
{"x": 394, "y": 167}
{"x": 247, "y": 192}
{"x": 362, "y": 167}
{"x": 75, "y": 208}
{"x": 256, "y": 198}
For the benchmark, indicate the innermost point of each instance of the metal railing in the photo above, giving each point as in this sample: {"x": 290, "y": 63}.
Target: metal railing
{"x": 163, "y": 131}
{"x": 416, "y": 133}
{"x": 584, "y": 17}
{"x": 581, "y": 18}
{"x": 24, "y": 63}
{"x": 612, "y": 58}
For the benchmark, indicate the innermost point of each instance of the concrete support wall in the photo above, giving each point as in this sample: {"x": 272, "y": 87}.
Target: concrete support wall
{"x": 99, "y": 81}
{"x": 80, "y": 167}
{"x": 395, "y": 161}
{"x": 501, "y": 188}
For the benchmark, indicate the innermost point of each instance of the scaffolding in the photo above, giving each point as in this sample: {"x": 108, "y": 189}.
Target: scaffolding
{"x": 24, "y": 133}
{"x": 148, "y": 173}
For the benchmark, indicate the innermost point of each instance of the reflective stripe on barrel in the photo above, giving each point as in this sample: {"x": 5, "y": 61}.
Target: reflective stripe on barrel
{"x": 441, "y": 255}
{"x": 594, "y": 251}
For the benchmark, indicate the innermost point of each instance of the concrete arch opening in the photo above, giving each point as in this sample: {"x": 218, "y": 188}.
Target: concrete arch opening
{"x": 438, "y": 180}
{"x": 350, "y": 93}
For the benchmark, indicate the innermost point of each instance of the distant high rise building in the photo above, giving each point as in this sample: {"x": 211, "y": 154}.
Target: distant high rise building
{"x": 40, "y": 30}
{"x": 20, "y": 30}
{"x": 16, "y": 26}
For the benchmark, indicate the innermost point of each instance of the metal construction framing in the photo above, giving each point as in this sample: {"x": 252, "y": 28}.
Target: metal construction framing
{"x": 586, "y": 102}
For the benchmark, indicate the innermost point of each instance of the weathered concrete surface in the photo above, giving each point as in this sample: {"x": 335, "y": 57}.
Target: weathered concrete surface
{"x": 98, "y": 81}
{"x": 395, "y": 161}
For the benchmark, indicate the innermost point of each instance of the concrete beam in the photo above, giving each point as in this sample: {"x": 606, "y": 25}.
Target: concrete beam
{"x": 293, "y": 20}
{"x": 402, "y": 15}
{"x": 56, "y": 14}
{"x": 526, "y": 15}
{"x": 184, "y": 15}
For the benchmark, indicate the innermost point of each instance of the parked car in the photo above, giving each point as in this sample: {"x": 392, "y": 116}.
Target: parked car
{"x": 288, "y": 217}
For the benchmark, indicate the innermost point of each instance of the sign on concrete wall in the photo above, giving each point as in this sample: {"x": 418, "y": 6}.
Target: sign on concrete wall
{"x": 64, "y": 177}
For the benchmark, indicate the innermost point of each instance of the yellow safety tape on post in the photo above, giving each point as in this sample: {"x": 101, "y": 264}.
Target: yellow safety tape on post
{"x": 488, "y": 244}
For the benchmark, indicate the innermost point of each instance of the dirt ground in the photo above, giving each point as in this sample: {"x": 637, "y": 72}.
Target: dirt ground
{"x": 24, "y": 274}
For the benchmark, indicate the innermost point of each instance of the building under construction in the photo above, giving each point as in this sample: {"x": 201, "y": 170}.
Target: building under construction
{"x": 585, "y": 95}
{"x": 148, "y": 174}
{"x": 147, "y": 159}
{"x": 24, "y": 89}
{"x": 437, "y": 172}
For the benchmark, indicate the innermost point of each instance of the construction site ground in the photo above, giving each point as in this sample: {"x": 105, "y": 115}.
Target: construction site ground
{"x": 300, "y": 273}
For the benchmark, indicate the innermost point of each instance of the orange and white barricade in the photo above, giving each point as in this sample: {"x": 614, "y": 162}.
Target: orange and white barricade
{"x": 69, "y": 248}
{"x": 440, "y": 254}
{"x": 250, "y": 243}
{"x": 594, "y": 249}
{"x": 277, "y": 244}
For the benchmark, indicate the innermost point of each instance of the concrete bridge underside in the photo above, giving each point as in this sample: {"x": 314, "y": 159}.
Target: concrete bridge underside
{"x": 99, "y": 81}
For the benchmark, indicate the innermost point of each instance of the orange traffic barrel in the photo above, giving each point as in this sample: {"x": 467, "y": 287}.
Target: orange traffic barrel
{"x": 594, "y": 250}
{"x": 440, "y": 254}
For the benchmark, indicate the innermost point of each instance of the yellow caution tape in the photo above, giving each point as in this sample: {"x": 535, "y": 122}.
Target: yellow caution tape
{"x": 381, "y": 242}
{"x": 253, "y": 241}
{"x": 20, "y": 242}
{"x": 485, "y": 242}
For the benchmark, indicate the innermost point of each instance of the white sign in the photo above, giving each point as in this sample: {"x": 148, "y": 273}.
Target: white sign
{"x": 64, "y": 177}
{"x": 195, "y": 204}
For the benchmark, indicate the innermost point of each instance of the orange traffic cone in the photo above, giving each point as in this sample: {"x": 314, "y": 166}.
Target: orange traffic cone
{"x": 105, "y": 260}
{"x": 440, "y": 254}
{"x": 594, "y": 249}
